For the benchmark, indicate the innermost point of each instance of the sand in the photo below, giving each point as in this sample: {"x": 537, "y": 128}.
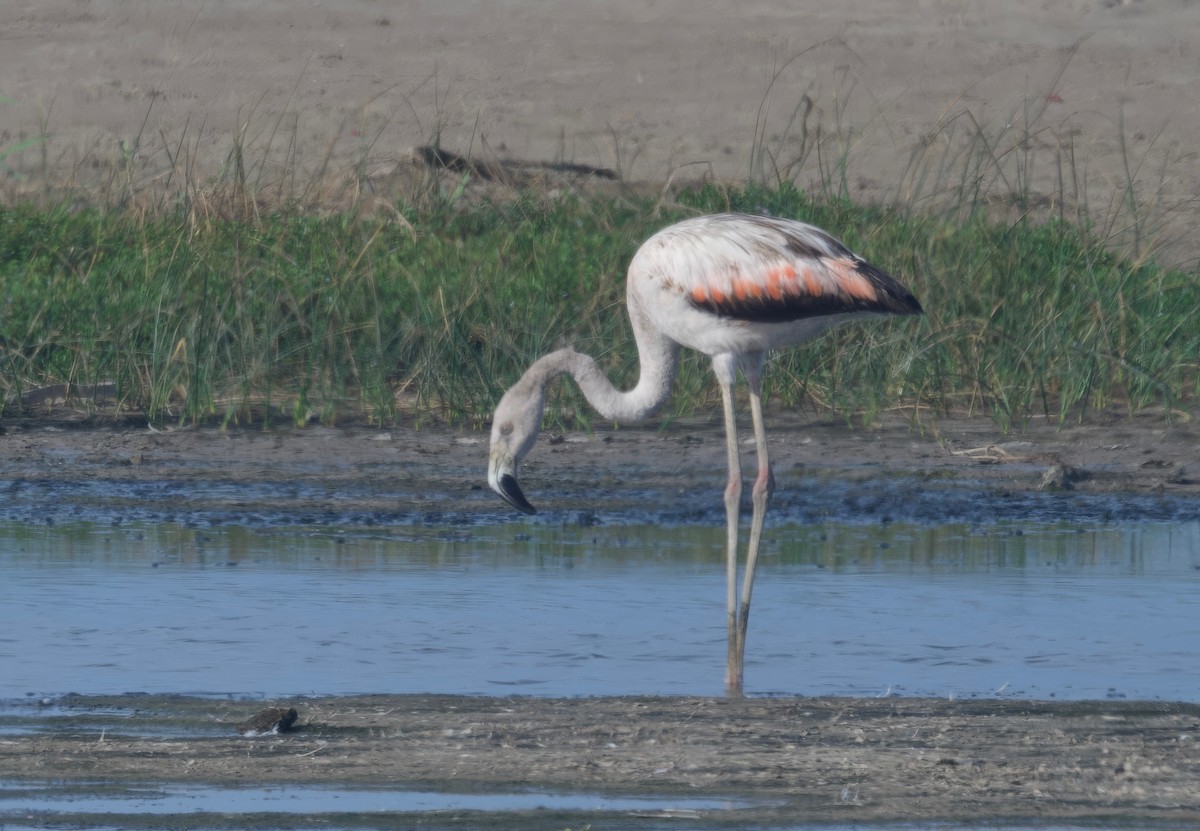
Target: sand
{"x": 778, "y": 761}
{"x": 96, "y": 92}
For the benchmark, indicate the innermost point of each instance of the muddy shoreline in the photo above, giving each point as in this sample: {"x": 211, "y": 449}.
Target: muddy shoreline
{"x": 792, "y": 759}
{"x": 1111, "y": 469}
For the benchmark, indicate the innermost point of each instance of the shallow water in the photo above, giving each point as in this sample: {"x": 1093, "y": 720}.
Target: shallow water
{"x": 180, "y": 799}
{"x": 1028, "y": 610}
{"x": 97, "y": 807}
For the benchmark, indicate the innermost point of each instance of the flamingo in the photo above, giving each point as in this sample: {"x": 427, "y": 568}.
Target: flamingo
{"x": 732, "y": 286}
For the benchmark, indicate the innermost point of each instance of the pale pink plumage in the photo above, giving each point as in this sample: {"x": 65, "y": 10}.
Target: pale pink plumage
{"x": 732, "y": 286}
{"x": 738, "y": 283}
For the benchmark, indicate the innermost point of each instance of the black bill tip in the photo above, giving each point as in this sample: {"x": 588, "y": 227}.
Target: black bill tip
{"x": 511, "y": 492}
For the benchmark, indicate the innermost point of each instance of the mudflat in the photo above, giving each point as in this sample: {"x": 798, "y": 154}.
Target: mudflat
{"x": 913, "y": 462}
{"x": 777, "y": 760}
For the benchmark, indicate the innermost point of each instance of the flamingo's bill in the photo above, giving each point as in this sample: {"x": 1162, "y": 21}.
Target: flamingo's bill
{"x": 508, "y": 488}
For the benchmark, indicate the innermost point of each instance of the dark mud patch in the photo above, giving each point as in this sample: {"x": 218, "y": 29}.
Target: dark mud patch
{"x": 951, "y": 471}
{"x": 780, "y": 760}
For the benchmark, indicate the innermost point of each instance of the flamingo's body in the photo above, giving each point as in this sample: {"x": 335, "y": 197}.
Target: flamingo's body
{"x": 732, "y": 286}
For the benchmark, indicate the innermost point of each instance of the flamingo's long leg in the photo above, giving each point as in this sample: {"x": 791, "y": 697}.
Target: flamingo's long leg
{"x": 764, "y": 486}
{"x": 733, "y": 499}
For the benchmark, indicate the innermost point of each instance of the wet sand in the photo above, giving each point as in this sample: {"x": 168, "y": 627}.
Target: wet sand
{"x": 794, "y": 759}
{"x": 1136, "y": 468}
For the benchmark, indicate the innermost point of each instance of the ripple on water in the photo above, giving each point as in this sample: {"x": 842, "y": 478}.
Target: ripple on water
{"x": 1004, "y": 609}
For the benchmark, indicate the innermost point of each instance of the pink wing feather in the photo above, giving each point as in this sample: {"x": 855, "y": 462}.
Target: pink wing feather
{"x": 768, "y": 270}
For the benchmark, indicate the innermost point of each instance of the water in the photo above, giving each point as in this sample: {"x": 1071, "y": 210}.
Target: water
{"x": 310, "y": 799}
{"x": 1017, "y": 609}
{"x": 27, "y": 802}
{"x": 379, "y": 808}
{"x": 279, "y": 807}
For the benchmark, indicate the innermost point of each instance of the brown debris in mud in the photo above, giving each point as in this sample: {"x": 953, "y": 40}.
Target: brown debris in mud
{"x": 273, "y": 720}
{"x": 832, "y": 759}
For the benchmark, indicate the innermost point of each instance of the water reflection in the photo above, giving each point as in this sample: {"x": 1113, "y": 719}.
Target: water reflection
{"x": 1033, "y": 611}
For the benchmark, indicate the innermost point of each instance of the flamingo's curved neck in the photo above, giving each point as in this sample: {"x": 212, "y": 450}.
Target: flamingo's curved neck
{"x": 658, "y": 359}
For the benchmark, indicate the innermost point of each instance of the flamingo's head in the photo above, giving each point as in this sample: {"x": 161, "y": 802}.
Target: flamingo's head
{"x": 515, "y": 427}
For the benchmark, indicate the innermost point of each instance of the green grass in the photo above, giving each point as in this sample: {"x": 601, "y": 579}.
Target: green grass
{"x": 289, "y": 316}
